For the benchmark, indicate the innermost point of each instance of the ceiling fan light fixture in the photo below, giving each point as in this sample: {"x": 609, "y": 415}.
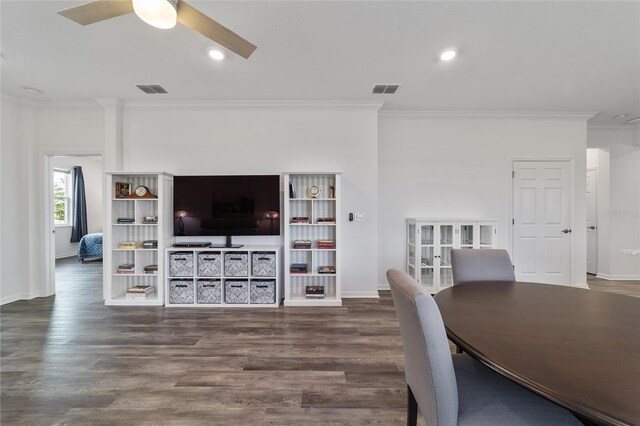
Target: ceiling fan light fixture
{"x": 158, "y": 13}
{"x": 215, "y": 54}
{"x": 448, "y": 54}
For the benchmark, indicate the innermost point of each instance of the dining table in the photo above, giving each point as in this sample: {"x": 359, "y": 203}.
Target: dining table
{"x": 576, "y": 347}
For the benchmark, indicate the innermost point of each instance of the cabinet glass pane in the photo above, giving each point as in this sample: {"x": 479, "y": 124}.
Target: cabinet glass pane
{"x": 446, "y": 234}
{"x": 466, "y": 235}
{"x": 445, "y": 256}
{"x": 486, "y": 234}
{"x": 426, "y": 232}
{"x": 427, "y": 256}
{"x": 446, "y": 277}
{"x": 411, "y": 271}
{"x": 412, "y": 255}
{"x": 426, "y": 276}
{"x": 412, "y": 234}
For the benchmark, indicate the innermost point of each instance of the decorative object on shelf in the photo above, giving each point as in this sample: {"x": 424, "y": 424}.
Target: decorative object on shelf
{"x": 271, "y": 216}
{"x": 326, "y": 244}
{"x": 326, "y": 220}
{"x": 140, "y": 292}
{"x": 126, "y": 268}
{"x": 332, "y": 191}
{"x": 329, "y": 269}
{"x": 142, "y": 191}
{"x": 181, "y": 214}
{"x": 150, "y": 244}
{"x": 123, "y": 190}
{"x": 292, "y": 190}
{"x": 151, "y": 269}
{"x": 314, "y": 292}
{"x": 299, "y": 268}
{"x": 313, "y": 191}
{"x": 302, "y": 244}
{"x": 300, "y": 219}
{"x": 130, "y": 245}
{"x": 150, "y": 220}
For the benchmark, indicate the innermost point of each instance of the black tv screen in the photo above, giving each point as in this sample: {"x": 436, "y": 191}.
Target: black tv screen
{"x": 226, "y": 205}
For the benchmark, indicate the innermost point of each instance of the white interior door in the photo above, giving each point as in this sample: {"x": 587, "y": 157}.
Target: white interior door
{"x": 592, "y": 223}
{"x": 541, "y": 222}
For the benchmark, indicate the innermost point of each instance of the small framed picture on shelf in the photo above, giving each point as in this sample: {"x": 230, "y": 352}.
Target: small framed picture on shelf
{"x": 123, "y": 189}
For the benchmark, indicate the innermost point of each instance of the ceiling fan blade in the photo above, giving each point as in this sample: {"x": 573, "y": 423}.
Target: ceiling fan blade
{"x": 96, "y": 11}
{"x": 191, "y": 17}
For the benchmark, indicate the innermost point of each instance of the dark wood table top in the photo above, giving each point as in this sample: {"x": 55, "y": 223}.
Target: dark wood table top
{"x": 576, "y": 347}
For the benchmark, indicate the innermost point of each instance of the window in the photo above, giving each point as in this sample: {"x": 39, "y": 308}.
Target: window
{"x": 61, "y": 197}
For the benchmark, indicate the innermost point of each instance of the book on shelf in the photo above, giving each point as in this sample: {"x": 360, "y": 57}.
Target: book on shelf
{"x": 141, "y": 292}
{"x": 314, "y": 292}
{"x": 328, "y": 269}
{"x": 126, "y": 268}
{"x": 130, "y": 245}
{"x": 299, "y": 268}
{"x": 300, "y": 219}
{"x": 326, "y": 220}
{"x": 149, "y": 219}
{"x": 150, "y": 244}
{"x": 326, "y": 244}
{"x": 301, "y": 244}
{"x": 151, "y": 269}
{"x": 126, "y": 220}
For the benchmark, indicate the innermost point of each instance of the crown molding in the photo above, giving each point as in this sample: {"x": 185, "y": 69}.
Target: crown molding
{"x": 564, "y": 115}
{"x": 620, "y": 126}
{"x": 253, "y": 105}
{"x": 110, "y": 102}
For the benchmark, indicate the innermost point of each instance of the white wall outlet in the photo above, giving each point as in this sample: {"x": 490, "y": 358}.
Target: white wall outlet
{"x": 359, "y": 217}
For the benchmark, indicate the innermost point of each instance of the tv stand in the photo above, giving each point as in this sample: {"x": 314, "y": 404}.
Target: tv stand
{"x": 228, "y": 244}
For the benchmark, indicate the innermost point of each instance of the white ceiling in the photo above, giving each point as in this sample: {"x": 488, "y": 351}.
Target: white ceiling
{"x": 514, "y": 56}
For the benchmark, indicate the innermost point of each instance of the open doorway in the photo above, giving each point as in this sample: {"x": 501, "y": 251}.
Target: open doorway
{"x": 75, "y": 218}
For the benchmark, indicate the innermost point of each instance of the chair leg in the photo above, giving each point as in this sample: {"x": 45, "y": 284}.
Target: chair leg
{"x": 459, "y": 349}
{"x": 412, "y": 408}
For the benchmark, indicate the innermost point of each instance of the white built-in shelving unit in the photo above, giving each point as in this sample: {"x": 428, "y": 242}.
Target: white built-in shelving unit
{"x": 302, "y": 204}
{"x": 429, "y": 244}
{"x": 116, "y": 284}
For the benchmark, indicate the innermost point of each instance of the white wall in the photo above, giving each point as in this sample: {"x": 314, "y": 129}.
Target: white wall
{"x": 460, "y": 166}
{"x": 619, "y": 223}
{"x": 203, "y": 140}
{"x": 92, "y": 171}
{"x": 14, "y": 231}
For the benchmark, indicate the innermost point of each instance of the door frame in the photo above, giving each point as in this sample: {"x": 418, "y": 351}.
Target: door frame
{"x": 49, "y": 226}
{"x": 572, "y": 195}
{"x": 595, "y": 169}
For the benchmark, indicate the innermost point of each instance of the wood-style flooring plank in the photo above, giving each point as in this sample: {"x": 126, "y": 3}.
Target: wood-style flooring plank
{"x": 70, "y": 360}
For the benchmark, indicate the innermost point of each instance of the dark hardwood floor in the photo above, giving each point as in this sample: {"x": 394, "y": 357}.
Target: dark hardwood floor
{"x": 628, "y": 288}
{"x": 70, "y": 360}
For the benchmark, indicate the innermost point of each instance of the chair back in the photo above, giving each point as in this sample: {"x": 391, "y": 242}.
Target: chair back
{"x": 427, "y": 358}
{"x": 481, "y": 265}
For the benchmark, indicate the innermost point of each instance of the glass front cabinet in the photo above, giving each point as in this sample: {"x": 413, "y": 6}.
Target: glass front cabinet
{"x": 429, "y": 244}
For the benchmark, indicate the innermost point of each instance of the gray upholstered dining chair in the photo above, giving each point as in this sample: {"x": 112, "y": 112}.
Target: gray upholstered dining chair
{"x": 456, "y": 389}
{"x": 481, "y": 265}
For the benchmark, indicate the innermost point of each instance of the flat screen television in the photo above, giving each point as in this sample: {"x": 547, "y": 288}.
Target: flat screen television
{"x": 226, "y": 205}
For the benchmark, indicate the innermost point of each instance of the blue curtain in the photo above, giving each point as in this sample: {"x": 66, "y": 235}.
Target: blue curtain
{"x": 79, "y": 206}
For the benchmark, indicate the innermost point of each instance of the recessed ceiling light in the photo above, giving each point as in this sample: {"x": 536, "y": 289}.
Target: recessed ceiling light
{"x": 216, "y": 54}
{"x": 448, "y": 54}
{"x": 32, "y": 91}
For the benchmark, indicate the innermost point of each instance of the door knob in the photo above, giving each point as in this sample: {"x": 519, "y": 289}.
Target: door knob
{"x": 566, "y": 231}
{"x": 591, "y": 227}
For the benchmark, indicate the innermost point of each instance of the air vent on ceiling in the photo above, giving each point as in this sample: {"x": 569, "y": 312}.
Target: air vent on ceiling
{"x": 385, "y": 88}
{"x": 151, "y": 89}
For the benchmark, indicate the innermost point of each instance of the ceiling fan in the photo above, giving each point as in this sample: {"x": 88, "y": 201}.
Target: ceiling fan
{"x": 161, "y": 14}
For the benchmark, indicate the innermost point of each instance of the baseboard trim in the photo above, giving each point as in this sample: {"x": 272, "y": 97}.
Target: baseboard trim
{"x": 62, "y": 256}
{"x": 581, "y": 285}
{"x": 360, "y": 294}
{"x": 11, "y": 299}
{"x": 619, "y": 277}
